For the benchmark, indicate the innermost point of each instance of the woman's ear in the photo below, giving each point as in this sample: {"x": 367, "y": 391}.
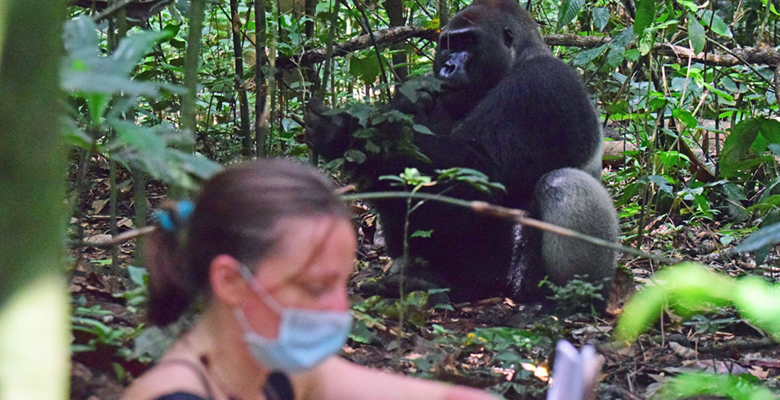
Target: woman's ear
{"x": 227, "y": 285}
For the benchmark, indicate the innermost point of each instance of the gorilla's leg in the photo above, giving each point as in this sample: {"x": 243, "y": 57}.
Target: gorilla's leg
{"x": 570, "y": 198}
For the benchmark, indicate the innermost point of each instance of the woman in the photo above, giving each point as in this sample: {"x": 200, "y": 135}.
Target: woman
{"x": 270, "y": 248}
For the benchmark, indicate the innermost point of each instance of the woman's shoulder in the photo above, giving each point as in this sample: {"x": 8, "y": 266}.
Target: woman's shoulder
{"x": 171, "y": 379}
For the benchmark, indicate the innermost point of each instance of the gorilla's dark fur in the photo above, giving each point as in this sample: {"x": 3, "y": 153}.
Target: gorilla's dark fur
{"x": 509, "y": 108}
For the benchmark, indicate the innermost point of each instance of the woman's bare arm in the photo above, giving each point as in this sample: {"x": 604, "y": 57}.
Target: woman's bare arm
{"x": 339, "y": 379}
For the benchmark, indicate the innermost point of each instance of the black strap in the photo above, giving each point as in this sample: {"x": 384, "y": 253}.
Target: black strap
{"x": 198, "y": 368}
{"x": 278, "y": 387}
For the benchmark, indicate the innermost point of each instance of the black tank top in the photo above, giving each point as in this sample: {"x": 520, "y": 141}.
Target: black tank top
{"x": 277, "y": 386}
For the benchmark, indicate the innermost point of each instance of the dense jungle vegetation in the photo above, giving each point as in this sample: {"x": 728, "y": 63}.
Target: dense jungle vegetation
{"x": 110, "y": 107}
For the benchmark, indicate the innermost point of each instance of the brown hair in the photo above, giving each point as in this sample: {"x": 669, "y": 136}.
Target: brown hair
{"x": 235, "y": 214}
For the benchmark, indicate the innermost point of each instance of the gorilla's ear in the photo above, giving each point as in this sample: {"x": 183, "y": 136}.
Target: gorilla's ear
{"x": 509, "y": 37}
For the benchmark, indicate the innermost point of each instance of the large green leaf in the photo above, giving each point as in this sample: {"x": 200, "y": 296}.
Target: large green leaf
{"x": 600, "y": 17}
{"x": 717, "y": 25}
{"x": 365, "y": 67}
{"x": 766, "y": 236}
{"x": 696, "y": 34}
{"x": 152, "y": 149}
{"x": 85, "y": 70}
{"x": 737, "y": 144}
{"x": 645, "y": 15}
{"x": 568, "y": 11}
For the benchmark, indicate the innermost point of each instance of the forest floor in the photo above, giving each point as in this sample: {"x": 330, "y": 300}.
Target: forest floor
{"x": 493, "y": 344}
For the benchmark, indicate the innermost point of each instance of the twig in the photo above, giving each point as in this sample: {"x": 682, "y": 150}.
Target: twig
{"x": 517, "y": 215}
{"x": 118, "y": 239}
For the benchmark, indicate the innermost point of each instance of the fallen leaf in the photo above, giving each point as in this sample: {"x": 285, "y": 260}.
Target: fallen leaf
{"x": 682, "y": 350}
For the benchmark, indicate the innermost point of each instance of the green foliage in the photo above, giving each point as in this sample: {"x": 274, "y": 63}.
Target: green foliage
{"x": 108, "y": 94}
{"x": 739, "y": 387}
{"x": 88, "y": 320}
{"x": 499, "y": 339}
{"x": 575, "y": 296}
{"x": 413, "y": 306}
{"x": 139, "y": 294}
{"x": 745, "y": 147}
{"x": 690, "y": 288}
{"x": 645, "y": 15}
{"x": 568, "y": 11}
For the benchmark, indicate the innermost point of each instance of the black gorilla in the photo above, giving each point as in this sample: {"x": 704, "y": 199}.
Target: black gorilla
{"x": 509, "y": 108}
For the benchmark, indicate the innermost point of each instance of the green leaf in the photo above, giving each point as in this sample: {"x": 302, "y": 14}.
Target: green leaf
{"x": 690, "y": 5}
{"x": 663, "y": 183}
{"x": 355, "y": 156}
{"x": 600, "y": 17}
{"x": 717, "y": 25}
{"x": 770, "y": 130}
{"x": 646, "y": 42}
{"x": 737, "y": 144}
{"x": 80, "y": 37}
{"x": 692, "y": 385}
{"x": 137, "y": 274}
{"x": 767, "y": 236}
{"x": 365, "y": 68}
{"x": 195, "y": 163}
{"x": 696, "y": 34}
{"x": 132, "y": 48}
{"x": 422, "y": 129}
{"x": 686, "y": 287}
{"x": 422, "y": 234}
{"x": 616, "y": 56}
{"x": 72, "y": 135}
{"x": 645, "y": 15}
{"x": 622, "y": 39}
{"x": 586, "y": 56}
{"x": 568, "y": 11}
{"x": 759, "y": 302}
{"x": 686, "y": 117}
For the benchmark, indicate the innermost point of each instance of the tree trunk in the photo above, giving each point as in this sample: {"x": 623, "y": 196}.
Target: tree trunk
{"x": 191, "y": 67}
{"x": 261, "y": 126}
{"x": 34, "y": 303}
{"x": 238, "y": 57}
{"x": 395, "y": 12}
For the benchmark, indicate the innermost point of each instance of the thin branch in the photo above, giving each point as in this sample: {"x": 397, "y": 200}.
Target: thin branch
{"x": 119, "y": 239}
{"x": 517, "y": 215}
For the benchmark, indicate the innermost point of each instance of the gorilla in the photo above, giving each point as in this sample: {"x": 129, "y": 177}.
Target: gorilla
{"x": 508, "y": 108}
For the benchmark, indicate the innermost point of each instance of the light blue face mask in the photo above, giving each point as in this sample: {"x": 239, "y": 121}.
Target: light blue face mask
{"x": 306, "y": 337}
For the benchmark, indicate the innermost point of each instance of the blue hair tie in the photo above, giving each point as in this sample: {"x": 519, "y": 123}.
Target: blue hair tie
{"x": 184, "y": 209}
{"x": 164, "y": 220}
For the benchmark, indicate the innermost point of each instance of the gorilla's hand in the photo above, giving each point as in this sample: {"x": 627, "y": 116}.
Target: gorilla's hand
{"x": 327, "y": 134}
{"x": 418, "y": 96}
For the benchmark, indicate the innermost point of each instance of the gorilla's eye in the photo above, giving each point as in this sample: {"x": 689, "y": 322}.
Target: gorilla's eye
{"x": 508, "y": 37}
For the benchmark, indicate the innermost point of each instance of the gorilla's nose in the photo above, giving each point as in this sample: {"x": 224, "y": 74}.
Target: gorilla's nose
{"x": 454, "y": 65}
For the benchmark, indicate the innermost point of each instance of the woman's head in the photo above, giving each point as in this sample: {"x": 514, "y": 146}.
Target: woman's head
{"x": 241, "y": 213}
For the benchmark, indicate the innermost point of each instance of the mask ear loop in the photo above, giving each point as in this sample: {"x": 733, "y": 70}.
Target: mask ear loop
{"x": 241, "y": 318}
{"x": 250, "y": 279}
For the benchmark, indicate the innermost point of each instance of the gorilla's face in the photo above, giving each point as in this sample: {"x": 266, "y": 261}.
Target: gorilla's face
{"x": 476, "y": 49}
